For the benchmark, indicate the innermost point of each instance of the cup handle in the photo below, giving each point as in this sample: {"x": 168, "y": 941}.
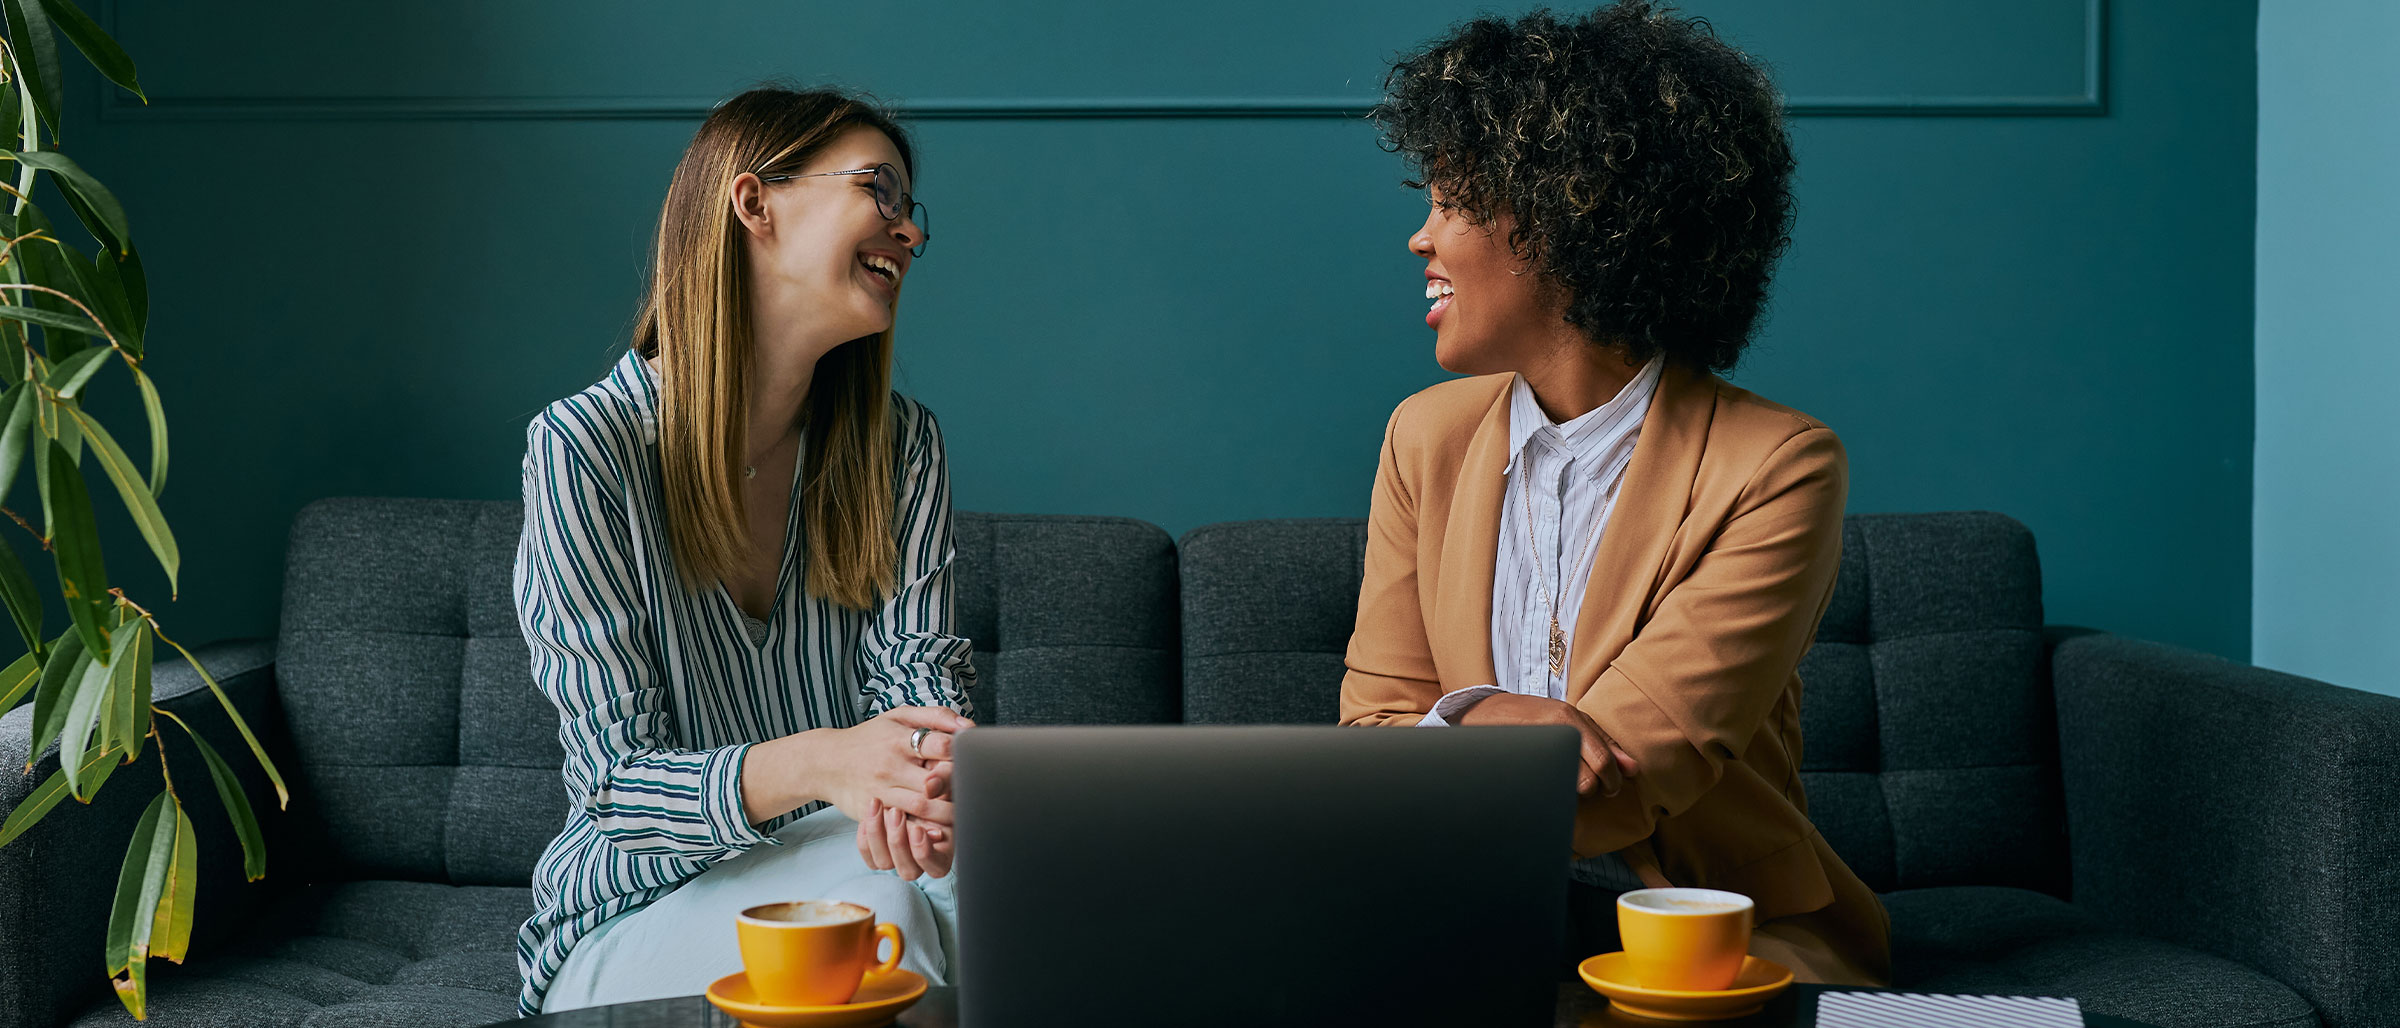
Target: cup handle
{"x": 892, "y": 932}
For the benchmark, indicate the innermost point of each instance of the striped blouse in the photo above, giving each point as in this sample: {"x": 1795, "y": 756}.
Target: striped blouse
{"x": 660, "y": 690}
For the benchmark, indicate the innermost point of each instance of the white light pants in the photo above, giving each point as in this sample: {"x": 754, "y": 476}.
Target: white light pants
{"x": 684, "y": 940}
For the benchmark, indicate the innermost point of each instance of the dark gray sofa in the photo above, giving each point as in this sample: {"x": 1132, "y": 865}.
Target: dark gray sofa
{"x": 2166, "y": 836}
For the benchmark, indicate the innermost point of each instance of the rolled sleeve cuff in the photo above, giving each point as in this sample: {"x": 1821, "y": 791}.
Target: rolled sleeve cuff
{"x": 1451, "y": 705}
{"x": 724, "y": 785}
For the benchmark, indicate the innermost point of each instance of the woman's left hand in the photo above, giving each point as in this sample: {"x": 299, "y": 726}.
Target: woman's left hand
{"x": 893, "y": 841}
{"x": 889, "y": 840}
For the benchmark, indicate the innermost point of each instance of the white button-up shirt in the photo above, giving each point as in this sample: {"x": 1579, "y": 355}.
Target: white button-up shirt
{"x": 1562, "y": 482}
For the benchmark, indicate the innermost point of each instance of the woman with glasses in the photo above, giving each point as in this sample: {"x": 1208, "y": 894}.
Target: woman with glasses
{"x": 1596, "y": 531}
{"x": 734, "y": 576}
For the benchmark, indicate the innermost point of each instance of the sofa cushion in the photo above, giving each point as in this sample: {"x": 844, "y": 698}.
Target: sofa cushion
{"x": 1073, "y": 618}
{"x": 1931, "y": 749}
{"x": 1980, "y": 940}
{"x": 423, "y": 750}
{"x": 362, "y": 954}
{"x": 1267, "y": 611}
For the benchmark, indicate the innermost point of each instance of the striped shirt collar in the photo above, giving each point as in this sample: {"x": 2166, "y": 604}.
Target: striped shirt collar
{"x": 1583, "y": 436}
{"x": 633, "y": 379}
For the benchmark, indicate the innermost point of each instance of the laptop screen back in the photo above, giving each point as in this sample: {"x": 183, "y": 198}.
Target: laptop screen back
{"x": 1167, "y": 875}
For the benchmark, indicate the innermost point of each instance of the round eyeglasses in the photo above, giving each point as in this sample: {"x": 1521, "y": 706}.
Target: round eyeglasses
{"x": 889, "y": 200}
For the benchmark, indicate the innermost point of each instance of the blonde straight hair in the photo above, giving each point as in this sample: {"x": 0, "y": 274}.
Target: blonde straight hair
{"x": 696, "y": 323}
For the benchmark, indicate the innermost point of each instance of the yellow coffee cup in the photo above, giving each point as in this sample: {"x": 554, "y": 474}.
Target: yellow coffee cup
{"x": 1690, "y": 940}
{"x": 810, "y": 953}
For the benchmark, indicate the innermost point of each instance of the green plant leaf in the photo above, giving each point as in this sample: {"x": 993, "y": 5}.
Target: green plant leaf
{"x": 149, "y": 859}
{"x": 68, "y": 377}
{"x": 129, "y": 935}
{"x": 136, "y": 285}
{"x": 40, "y": 445}
{"x": 283, "y": 796}
{"x": 97, "y": 47}
{"x": 99, "y": 209}
{"x": 85, "y": 712}
{"x": 50, "y": 417}
{"x": 133, "y": 990}
{"x": 65, "y": 429}
{"x": 35, "y": 226}
{"x": 136, "y": 494}
{"x": 51, "y": 319}
{"x": 64, "y": 665}
{"x": 50, "y": 793}
{"x": 129, "y": 689}
{"x": 24, "y": 604}
{"x": 134, "y": 715}
{"x": 29, "y": 29}
{"x": 16, "y": 426}
{"x": 171, "y": 935}
{"x": 43, "y": 262}
{"x": 93, "y": 220}
{"x": 12, "y": 350}
{"x": 237, "y": 805}
{"x": 113, "y": 287}
{"x": 29, "y": 132}
{"x": 18, "y": 680}
{"x": 75, "y": 541}
{"x": 158, "y": 432}
{"x": 98, "y": 291}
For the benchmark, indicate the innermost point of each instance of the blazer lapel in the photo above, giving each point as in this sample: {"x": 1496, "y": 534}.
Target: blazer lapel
{"x": 1461, "y": 636}
{"x": 1650, "y": 508}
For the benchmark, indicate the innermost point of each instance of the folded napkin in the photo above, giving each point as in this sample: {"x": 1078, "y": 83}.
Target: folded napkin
{"x": 1918, "y": 1010}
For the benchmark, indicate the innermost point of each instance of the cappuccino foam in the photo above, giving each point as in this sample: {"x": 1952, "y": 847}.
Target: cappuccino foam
{"x": 1685, "y": 901}
{"x": 1681, "y": 906}
{"x": 810, "y": 912}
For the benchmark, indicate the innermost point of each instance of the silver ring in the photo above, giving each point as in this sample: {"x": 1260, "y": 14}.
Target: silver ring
{"x": 916, "y": 741}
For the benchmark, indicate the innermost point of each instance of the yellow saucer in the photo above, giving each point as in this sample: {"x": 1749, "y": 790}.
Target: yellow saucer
{"x": 1612, "y": 976}
{"x": 880, "y": 998}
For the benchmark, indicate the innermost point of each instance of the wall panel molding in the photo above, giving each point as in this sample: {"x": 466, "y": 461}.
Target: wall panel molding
{"x": 119, "y": 106}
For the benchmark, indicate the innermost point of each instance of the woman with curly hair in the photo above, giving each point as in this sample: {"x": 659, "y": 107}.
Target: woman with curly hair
{"x": 1595, "y": 530}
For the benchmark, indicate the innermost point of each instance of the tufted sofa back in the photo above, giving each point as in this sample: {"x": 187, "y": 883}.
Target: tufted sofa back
{"x": 1930, "y": 743}
{"x": 1930, "y": 736}
{"x": 423, "y": 752}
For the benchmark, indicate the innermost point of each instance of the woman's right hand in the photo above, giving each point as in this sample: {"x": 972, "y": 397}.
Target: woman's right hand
{"x": 1606, "y": 765}
{"x": 869, "y": 767}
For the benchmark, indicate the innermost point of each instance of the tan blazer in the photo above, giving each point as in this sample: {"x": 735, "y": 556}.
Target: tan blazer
{"x": 1710, "y": 579}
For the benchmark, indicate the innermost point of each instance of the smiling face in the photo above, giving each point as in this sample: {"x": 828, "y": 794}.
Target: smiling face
{"x": 823, "y": 242}
{"x": 1491, "y": 312}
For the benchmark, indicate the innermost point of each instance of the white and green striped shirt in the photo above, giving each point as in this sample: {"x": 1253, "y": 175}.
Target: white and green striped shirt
{"x": 661, "y": 691}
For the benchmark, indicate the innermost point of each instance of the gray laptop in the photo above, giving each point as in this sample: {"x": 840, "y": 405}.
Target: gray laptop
{"x": 1175, "y": 875}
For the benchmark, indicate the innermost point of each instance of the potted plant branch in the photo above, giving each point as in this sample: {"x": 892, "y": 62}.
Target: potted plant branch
{"x": 64, "y": 318}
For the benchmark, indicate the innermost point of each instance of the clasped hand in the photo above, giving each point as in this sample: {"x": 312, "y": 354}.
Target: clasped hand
{"x": 901, "y": 797}
{"x": 1606, "y": 765}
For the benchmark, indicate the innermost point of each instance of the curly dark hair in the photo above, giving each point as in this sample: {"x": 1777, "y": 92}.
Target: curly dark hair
{"x": 1643, "y": 162}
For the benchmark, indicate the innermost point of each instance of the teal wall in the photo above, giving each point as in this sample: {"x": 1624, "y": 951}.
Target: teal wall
{"x": 2327, "y": 541}
{"x": 1170, "y": 279}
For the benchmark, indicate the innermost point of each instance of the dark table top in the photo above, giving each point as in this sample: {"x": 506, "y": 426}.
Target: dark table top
{"x": 1578, "y": 1007}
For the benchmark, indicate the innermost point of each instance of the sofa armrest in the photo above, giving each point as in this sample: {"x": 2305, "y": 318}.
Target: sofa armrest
{"x": 2245, "y": 812}
{"x": 57, "y": 879}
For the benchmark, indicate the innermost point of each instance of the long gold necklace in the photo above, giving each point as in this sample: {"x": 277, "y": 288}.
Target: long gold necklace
{"x": 1558, "y": 636}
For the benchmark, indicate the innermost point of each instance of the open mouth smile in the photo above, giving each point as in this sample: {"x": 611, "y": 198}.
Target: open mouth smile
{"x": 1439, "y": 291}
{"x": 883, "y": 268}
